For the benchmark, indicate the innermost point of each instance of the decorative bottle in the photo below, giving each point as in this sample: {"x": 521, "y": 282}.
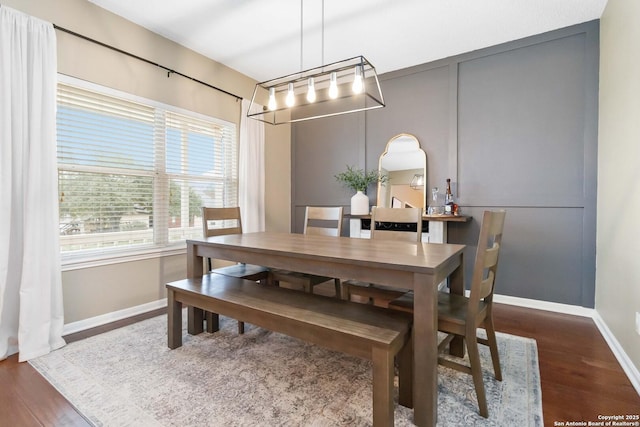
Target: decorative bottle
{"x": 434, "y": 208}
{"x": 448, "y": 199}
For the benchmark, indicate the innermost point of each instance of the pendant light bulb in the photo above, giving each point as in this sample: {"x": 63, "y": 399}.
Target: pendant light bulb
{"x": 333, "y": 86}
{"x": 311, "y": 93}
{"x": 358, "y": 84}
{"x": 290, "y": 100}
{"x": 272, "y": 99}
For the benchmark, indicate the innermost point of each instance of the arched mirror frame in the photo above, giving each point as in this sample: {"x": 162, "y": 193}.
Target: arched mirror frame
{"x": 416, "y": 162}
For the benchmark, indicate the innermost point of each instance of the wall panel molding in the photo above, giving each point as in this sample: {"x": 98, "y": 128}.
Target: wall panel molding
{"x": 515, "y": 127}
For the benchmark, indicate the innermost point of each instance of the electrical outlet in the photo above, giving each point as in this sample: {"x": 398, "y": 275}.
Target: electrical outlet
{"x": 638, "y": 322}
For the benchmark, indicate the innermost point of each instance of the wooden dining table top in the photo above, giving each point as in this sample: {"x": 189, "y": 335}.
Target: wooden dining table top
{"x": 407, "y": 256}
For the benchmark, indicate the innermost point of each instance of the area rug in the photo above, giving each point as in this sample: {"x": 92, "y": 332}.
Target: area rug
{"x": 129, "y": 377}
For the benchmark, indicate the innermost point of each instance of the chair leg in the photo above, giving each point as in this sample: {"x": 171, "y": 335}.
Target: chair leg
{"x": 493, "y": 347}
{"x": 476, "y": 372}
{"x": 405, "y": 373}
{"x": 344, "y": 292}
{"x": 336, "y": 284}
{"x": 271, "y": 280}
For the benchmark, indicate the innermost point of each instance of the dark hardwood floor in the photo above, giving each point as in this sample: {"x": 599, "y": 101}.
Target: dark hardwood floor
{"x": 580, "y": 376}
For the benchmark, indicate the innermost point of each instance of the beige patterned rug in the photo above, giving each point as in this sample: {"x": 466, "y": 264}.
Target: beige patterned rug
{"x": 128, "y": 377}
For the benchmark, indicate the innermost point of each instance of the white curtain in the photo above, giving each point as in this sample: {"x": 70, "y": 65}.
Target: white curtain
{"x": 251, "y": 170}
{"x": 31, "y": 312}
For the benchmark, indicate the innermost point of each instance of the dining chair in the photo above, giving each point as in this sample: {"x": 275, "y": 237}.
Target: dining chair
{"x": 390, "y": 224}
{"x": 326, "y": 221}
{"x": 459, "y": 315}
{"x": 223, "y": 221}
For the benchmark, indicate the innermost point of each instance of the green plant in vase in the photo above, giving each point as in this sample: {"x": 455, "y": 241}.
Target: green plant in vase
{"x": 359, "y": 181}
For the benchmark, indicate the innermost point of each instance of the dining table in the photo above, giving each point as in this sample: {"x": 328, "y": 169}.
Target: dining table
{"x": 419, "y": 267}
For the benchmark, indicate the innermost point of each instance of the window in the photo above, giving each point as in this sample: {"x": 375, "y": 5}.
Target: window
{"x": 133, "y": 174}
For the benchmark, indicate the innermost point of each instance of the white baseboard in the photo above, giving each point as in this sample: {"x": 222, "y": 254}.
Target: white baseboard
{"x": 544, "y": 305}
{"x": 625, "y": 362}
{"x": 627, "y": 365}
{"x": 103, "y": 319}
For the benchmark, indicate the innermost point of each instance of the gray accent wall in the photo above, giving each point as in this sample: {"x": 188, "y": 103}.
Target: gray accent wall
{"x": 514, "y": 126}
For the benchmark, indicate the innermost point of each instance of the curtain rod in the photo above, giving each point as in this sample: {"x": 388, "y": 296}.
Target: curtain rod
{"x": 169, "y": 70}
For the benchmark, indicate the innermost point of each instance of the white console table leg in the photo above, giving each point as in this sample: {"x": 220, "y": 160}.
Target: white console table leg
{"x": 437, "y": 232}
{"x": 355, "y": 227}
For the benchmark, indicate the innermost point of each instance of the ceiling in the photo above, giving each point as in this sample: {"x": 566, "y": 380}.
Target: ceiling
{"x": 262, "y": 38}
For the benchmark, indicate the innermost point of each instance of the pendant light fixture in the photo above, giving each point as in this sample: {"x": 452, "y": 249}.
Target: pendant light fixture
{"x": 272, "y": 99}
{"x": 342, "y": 87}
{"x": 290, "y": 100}
{"x": 333, "y": 85}
{"x": 358, "y": 84}
{"x": 311, "y": 90}
{"x": 417, "y": 182}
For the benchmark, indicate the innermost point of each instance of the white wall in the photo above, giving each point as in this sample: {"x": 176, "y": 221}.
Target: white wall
{"x": 91, "y": 292}
{"x": 618, "y": 229}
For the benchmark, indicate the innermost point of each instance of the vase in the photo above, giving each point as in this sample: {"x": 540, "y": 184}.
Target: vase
{"x": 360, "y": 204}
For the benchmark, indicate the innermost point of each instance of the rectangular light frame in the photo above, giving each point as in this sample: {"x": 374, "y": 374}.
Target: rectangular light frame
{"x": 346, "y": 102}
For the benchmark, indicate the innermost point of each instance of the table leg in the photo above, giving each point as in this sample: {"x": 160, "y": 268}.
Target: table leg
{"x": 174, "y": 320}
{"x": 425, "y": 349}
{"x": 194, "y": 262}
{"x": 195, "y": 265}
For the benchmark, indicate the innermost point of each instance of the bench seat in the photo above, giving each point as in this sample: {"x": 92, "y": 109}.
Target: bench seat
{"x": 360, "y": 330}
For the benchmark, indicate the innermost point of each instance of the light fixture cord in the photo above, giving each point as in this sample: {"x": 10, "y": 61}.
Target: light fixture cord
{"x": 322, "y": 35}
{"x": 302, "y": 35}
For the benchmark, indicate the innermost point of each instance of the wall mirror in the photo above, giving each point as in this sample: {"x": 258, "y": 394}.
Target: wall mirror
{"x": 405, "y": 163}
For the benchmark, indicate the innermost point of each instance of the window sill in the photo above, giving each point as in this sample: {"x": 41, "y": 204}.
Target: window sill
{"x": 82, "y": 261}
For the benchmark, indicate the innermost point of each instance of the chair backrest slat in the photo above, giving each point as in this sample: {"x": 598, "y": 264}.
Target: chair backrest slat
{"x": 486, "y": 286}
{"x": 228, "y": 219}
{"x": 487, "y": 257}
{"x": 491, "y": 255}
{"x": 325, "y": 221}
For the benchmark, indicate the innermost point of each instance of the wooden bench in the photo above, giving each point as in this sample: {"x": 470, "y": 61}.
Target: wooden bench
{"x": 356, "y": 329}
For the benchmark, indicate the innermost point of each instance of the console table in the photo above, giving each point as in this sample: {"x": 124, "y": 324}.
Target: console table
{"x": 434, "y": 227}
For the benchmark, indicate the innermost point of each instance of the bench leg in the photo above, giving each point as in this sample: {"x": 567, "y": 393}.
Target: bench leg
{"x": 174, "y": 320}
{"x": 382, "y": 387}
{"x": 195, "y": 319}
{"x": 213, "y": 322}
{"x": 405, "y": 374}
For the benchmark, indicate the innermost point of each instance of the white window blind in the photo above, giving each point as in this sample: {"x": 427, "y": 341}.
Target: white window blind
{"x": 134, "y": 173}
